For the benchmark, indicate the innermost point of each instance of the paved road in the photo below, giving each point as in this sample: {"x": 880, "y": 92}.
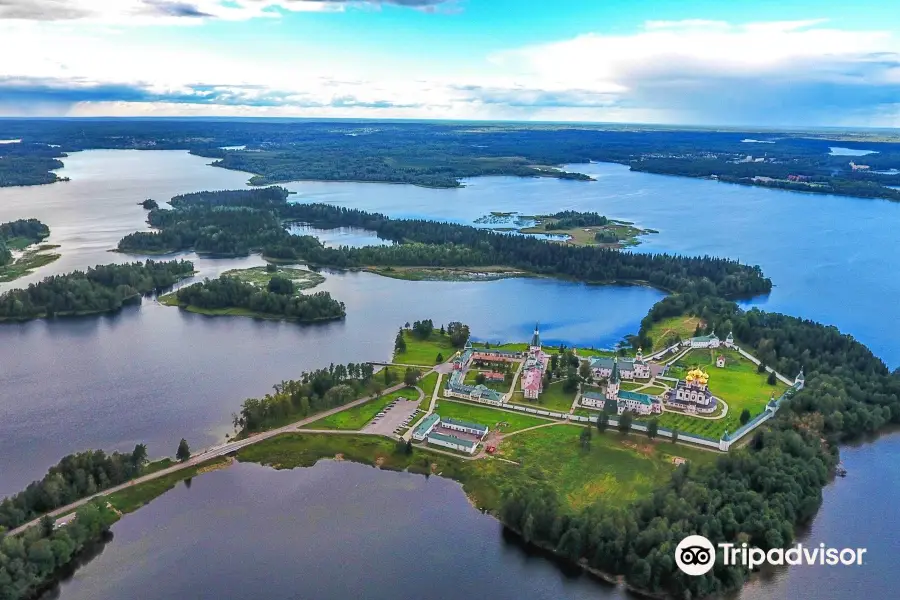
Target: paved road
{"x": 215, "y": 451}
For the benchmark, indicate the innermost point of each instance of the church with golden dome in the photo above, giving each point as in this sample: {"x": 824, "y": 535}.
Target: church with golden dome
{"x": 692, "y": 394}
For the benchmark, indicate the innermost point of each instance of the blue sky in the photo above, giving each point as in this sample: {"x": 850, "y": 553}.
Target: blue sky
{"x": 760, "y": 62}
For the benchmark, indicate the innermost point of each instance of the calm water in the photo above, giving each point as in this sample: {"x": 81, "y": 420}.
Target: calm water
{"x": 839, "y": 151}
{"x": 336, "y": 530}
{"x": 155, "y": 374}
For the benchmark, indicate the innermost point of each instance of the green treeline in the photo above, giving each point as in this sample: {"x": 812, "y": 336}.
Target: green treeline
{"x": 312, "y": 393}
{"x": 100, "y": 289}
{"x": 31, "y": 562}
{"x": 278, "y": 300}
{"x": 75, "y": 477}
{"x": 431, "y": 243}
{"x": 20, "y": 234}
{"x": 236, "y": 223}
{"x": 28, "y": 164}
{"x": 567, "y": 219}
{"x": 759, "y": 494}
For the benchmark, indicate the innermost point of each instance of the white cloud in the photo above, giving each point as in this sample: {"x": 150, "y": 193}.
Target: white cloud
{"x": 779, "y": 73}
{"x": 136, "y": 12}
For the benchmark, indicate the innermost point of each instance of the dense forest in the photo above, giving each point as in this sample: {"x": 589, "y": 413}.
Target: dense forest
{"x": 31, "y": 562}
{"x": 100, "y": 289}
{"x": 28, "y": 164}
{"x": 440, "y": 154}
{"x": 20, "y": 234}
{"x": 238, "y": 222}
{"x": 312, "y": 393}
{"x": 76, "y": 476}
{"x": 278, "y": 300}
{"x": 760, "y": 494}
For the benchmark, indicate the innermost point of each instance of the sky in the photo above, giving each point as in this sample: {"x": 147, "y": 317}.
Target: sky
{"x": 689, "y": 62}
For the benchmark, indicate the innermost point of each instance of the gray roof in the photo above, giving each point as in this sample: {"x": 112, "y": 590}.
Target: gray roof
{"x": 461, "y": 423}
{"x": 452, "y": 439}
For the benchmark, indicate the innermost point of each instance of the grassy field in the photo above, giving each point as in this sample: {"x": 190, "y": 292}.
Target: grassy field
{"x": 630, "y": 386}
{"x": 485, "y": 415}
{"x": 616, "y": 469}
{"x": 738, "y": 384}
{"x": 30, "y": 260}
{"x": 288, "y": 451}
{"x": 653, "y": 390}
{"x": 499, "y": 386}
{"x": 626, "y": 232}
{"x": 424, "y": 352}
{"x": 552, "y": 398}
{"x": 684, "y": 326}
{"x": 258, "y": 276}
{"x": 360, "y": 416}
{"x": 131, "y": 499}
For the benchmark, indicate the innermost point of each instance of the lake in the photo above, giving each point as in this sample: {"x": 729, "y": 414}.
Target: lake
{"x": 155, "y": 374}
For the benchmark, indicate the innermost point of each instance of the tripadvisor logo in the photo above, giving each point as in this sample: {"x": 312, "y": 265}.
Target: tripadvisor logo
{"x": 695, "y": 555}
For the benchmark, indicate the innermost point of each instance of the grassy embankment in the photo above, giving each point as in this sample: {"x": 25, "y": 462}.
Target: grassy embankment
{"x": 132, "y": 498}
{"x": 683, "y": 327}
{"x": 359, "y": 416}
{"x": 288, "y": 451}
{"x": 31, "y": 259}
{"x": 427, "y": 384}
{"x": 554, "y": 398}
{"x": 484, "y": 415}
{"x": 425, "y": 352}
{"x": 258, "y": 276}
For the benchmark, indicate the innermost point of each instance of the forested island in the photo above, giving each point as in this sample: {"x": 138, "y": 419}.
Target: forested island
{"x": 278, "y": 300}
{"x": 101, "y": 289}
{"x": 236, "y": 222}
{"x": 22, "y": 235}
{"x": 440, "y": 154}
{"x": 587, "y": 229}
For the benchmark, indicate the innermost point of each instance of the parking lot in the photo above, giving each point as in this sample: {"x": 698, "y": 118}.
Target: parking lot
{"x": 394, "y": 418}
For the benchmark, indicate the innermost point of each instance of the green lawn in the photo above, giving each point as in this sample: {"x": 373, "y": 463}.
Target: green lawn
{"x": 499, "y": 386}
{"x": 684, "y": 326}
{"x": 653, "y": 390}
{"x": 485, "y": 415}
{"x": 427, "y": 384}
{"x": 630, "y": 386}
{"x": 31, "y": 259}
{"x": 424, "y": 352}
{"x": 359, "y": 416}
{"x": 552, "y": 398}
{"x": 611, "y": 470}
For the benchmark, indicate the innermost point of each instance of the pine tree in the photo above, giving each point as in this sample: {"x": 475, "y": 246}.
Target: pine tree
{"x": 184, "y": 452}
{"x": 400, "y": 343}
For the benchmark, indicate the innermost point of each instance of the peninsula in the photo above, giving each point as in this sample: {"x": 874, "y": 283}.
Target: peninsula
{"x": 531, "y": 430}
{"x": 198, "y": 222}
{"x": 261, "y": 292}
{"x": 23, "y": 237}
